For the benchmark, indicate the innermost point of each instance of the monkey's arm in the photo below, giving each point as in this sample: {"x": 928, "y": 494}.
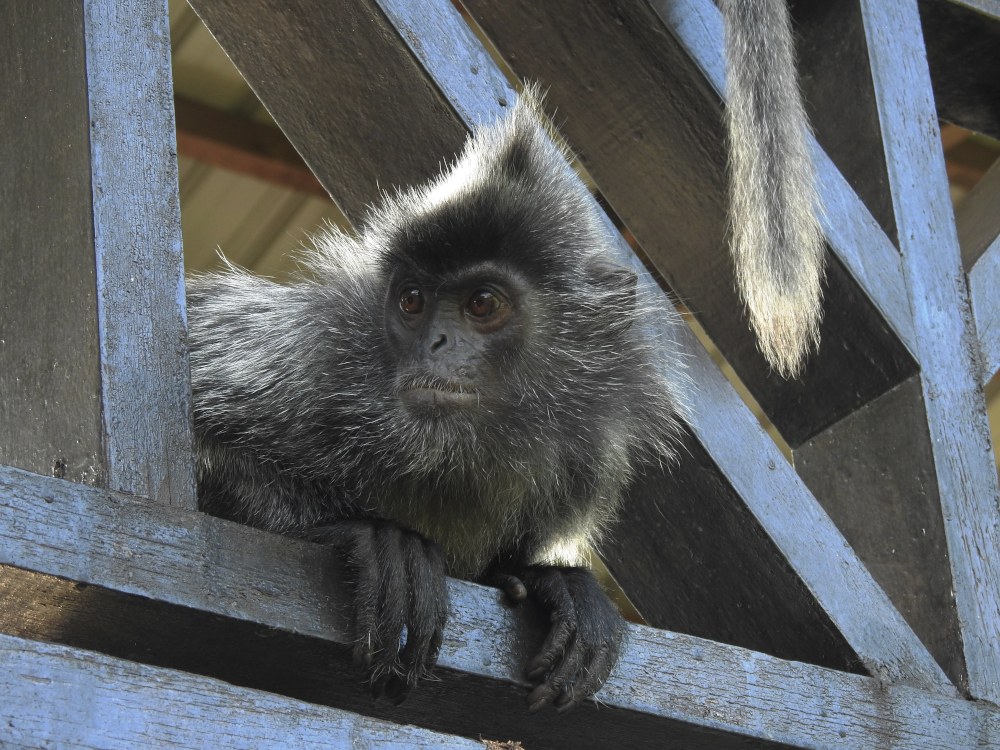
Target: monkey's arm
{"x": 272, "y": 398}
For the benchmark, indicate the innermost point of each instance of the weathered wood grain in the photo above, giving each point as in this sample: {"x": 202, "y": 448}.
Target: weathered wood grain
{"x": 270, "y": 629}
{"x": 978, "y": 220}
{"x": 146, "y": 396}
{"x": 827, "y": 570}
{"x": 50, "y": 377}
{"x": 945, "y": 330}
{"x": 874, "y": 474}
{"x": 57, "y": 696}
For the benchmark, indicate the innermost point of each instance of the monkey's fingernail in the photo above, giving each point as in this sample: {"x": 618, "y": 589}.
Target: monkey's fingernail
{"x": 538, "y": 667}
{"x": 564, "y": 702}
{"x": 517, "y": 591}
{"x": 539, "y": 698}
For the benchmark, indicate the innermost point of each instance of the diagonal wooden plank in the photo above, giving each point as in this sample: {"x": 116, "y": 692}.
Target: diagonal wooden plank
{"x": 68, "y": 697}
{"x": 945, "y": 330}
{"x": 822, "y": 593}
{"x": 246, "y": 625}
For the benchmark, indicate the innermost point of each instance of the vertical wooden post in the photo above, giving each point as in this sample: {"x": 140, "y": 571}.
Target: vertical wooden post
{"x": 93, "y": 365}
{"x": 947, "y": 342}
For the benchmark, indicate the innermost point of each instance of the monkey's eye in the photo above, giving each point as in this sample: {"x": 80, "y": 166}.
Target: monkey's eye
{"x": 482, "y": 304}
{"x": 411, "y": 301}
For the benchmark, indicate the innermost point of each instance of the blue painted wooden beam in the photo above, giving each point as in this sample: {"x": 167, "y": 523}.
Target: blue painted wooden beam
{"x": 779, "y": 500}
{"x": 56, "y": 696}
{"x": 146, "y": 396}
{"x": 667, "y": 686}
{"x": 945, "y": 330}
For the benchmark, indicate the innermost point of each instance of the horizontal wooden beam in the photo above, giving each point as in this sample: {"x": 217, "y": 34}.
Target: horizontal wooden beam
{"x": 177, "y": 589}
{"x": 813, "y": 580}
{"x": 241, "y": 145}
{"x": 54, "y": 695}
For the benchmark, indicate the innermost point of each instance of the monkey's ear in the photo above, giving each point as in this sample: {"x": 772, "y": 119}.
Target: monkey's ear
{"x": 620, "y": 281}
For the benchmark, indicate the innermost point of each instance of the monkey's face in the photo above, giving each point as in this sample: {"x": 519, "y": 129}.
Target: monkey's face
{"x": 453, "y": 336}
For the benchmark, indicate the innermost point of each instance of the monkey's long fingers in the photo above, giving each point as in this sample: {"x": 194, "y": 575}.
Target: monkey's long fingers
{"x": 356, "y": 540}
{"x": 560, "y": 680}
{"x": 549, "y": 588}
{"x": 392, "y": 603}
{"x": 428, "y": 602}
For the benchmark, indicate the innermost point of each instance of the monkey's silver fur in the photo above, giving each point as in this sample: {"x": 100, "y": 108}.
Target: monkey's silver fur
{"x": 777, "y": 242}
{"x": 297, "y": 410}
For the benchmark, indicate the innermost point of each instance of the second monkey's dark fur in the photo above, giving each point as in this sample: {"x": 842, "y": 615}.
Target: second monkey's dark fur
{"x": 413, "y": 433}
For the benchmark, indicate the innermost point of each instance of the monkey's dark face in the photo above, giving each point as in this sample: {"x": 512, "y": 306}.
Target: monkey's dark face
{"x": 453, "y": 335}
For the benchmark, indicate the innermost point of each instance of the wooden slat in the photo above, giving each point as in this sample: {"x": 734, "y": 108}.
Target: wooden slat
{"x": 241, "y": 145}
{"x": 978, "y": 220}
{"x": 873, "y": 472}
{"x": 146, "y": 396}
{"x": 946, "y": 334}
{"x": 227, "y": 622}
{"x": 646, "y": 124}
{"x": 50, "y": 377}
{"x": 57, "y": 696}
{"x": 984, "y": 281}
{"x": 821, "y": 591}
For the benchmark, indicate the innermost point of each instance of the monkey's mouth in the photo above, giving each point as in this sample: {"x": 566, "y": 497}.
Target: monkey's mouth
{"x": 429, "y": 392}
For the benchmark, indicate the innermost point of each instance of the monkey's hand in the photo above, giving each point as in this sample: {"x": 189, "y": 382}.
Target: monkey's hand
{"x": 399, "y": 582}
{"x": 584, "y": 640}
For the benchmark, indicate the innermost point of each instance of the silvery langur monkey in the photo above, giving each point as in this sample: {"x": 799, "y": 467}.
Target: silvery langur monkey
{"x": 777, "y": 242}
{"x": 463, "y": 386}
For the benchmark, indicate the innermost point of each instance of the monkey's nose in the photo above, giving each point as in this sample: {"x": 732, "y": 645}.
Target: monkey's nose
{"x": 439, "y": 342}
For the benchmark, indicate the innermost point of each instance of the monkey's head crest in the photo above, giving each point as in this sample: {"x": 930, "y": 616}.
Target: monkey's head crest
{"x": 510, "y": 196}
